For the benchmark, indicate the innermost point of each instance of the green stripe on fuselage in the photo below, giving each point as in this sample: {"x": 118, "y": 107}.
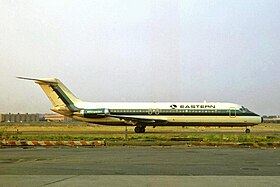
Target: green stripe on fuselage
{"x": 166, "y": 112}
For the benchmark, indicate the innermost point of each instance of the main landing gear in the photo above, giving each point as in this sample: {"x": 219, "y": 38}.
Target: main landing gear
{"x": 139, "y": 129}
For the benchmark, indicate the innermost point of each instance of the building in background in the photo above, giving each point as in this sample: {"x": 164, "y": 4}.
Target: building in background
{"x": 271, "y": 119}
{"x": 25, "y": 118}
{"x": 56, "y": 117}
{"x": 19, "y": 117}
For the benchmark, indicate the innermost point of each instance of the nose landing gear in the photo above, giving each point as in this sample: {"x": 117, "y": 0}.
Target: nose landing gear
{"x": 139, "y": 129}
{"x": 247, "y": 131}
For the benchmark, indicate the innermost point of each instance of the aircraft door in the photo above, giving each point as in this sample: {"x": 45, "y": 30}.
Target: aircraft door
{"x": 232, "y": 112}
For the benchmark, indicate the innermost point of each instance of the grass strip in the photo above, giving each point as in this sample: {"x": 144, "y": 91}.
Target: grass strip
{"x": 237, "y": 138}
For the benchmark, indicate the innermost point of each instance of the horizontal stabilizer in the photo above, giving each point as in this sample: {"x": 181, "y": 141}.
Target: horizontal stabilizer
{"x": 39, "y": 80}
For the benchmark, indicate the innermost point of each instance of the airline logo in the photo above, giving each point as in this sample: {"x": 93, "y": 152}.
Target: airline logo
{"x": 173, "y": 106}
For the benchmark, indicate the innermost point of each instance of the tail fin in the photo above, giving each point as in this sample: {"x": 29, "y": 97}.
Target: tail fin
{"x": 58, "y": 93}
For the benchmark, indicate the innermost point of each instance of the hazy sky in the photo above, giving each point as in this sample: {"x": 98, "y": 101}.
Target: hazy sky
{"x": 130, "y": 50}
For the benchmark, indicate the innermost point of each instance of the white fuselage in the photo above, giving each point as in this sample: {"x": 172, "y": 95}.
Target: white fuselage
{"x": 174, "y": 113}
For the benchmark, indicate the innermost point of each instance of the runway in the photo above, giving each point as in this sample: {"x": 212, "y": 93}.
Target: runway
{"x": 146, "y": 164}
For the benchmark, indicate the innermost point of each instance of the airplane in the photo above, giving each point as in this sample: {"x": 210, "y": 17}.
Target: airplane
{"x": 143, "y": 114}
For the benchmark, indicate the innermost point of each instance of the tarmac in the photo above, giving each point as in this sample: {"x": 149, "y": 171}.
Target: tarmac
{"x": 139, "y": 166}
{"x": 146, "y": 133}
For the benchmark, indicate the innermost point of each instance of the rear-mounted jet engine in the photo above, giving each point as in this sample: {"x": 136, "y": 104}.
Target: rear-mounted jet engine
{"x": 93, "y": 113}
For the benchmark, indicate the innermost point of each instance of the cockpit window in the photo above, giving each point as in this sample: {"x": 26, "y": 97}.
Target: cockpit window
{"x": 243, "y": 109}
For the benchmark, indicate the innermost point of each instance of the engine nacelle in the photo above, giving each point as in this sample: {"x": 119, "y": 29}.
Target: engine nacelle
{"x": 93, "y": 113}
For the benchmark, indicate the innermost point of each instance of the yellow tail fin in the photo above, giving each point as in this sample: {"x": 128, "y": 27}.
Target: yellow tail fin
{"x": 60, "y": 96}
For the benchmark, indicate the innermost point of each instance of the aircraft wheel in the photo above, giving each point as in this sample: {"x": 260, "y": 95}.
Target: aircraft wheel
{"x": 143, "y": 129}
{"x": 139, "y": 129}
{"x": 247, "y": 131}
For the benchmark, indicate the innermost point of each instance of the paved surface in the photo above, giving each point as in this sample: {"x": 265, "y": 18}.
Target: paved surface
{"x": 132, "y": 166}
{"x": 146, "y": 133}
{"x": 133, "y": 180}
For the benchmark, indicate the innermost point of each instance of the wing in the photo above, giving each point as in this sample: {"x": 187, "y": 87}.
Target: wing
{"x": 135, "y": 120}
